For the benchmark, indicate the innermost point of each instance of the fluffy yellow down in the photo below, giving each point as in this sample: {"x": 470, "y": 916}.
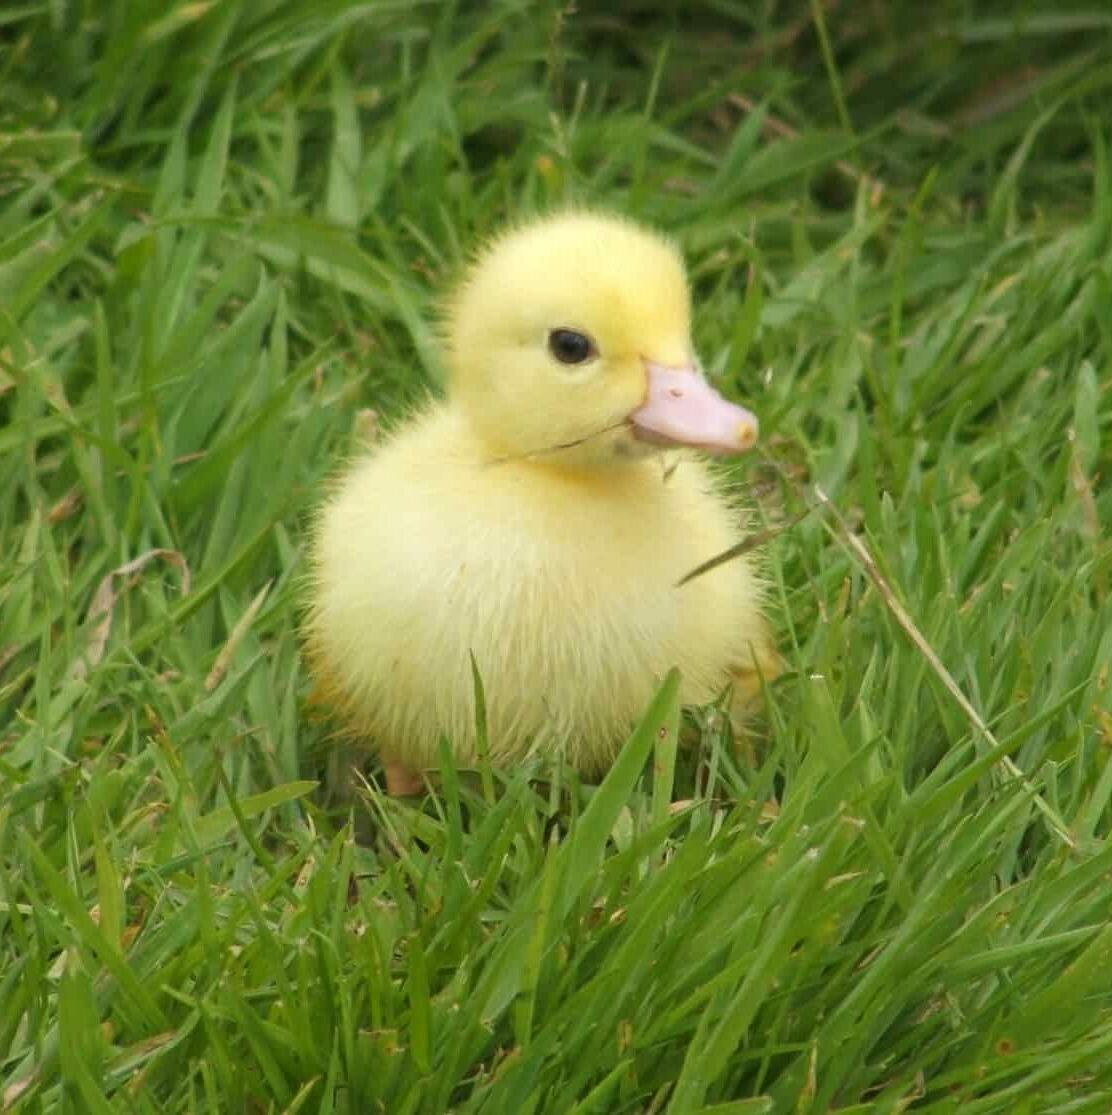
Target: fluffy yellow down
{"x": 521, "y": 522}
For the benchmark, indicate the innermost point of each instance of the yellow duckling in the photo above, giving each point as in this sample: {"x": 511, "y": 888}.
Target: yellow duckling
{"x": 529, "y": 521}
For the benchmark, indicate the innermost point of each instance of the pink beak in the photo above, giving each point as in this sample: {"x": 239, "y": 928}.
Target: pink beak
{"x": 681, "y": 408}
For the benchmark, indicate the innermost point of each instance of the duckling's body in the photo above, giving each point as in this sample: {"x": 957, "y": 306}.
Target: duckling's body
{"x": 552, "y": 562}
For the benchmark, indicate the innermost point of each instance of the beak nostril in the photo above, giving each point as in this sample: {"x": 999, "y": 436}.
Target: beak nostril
{"x": 676, "y": 392}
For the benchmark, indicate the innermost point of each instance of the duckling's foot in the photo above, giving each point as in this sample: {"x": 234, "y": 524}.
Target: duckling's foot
{"x": 403, "y": 781}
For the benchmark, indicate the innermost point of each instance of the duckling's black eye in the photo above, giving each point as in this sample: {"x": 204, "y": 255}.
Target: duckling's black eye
{"x": 569, "y": 346}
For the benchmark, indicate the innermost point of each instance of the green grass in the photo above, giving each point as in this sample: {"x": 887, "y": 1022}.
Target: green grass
{"x": 222, "y": 232}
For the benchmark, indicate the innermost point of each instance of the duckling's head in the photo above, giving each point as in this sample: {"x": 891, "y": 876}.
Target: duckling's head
{"x": 571, "y": 338}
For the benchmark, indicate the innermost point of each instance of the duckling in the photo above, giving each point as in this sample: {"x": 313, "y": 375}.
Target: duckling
{"x": 536, "y": 521}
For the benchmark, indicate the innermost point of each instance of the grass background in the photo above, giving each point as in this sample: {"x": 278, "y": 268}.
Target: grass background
{"x": 223, "y": 226}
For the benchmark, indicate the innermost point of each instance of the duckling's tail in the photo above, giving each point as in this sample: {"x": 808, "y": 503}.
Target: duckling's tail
{"x": 765, "y": 665}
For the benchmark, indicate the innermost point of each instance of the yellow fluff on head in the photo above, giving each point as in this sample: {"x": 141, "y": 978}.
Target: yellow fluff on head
{"x": 624, "y": 286}
{"x": 527, "y": 520}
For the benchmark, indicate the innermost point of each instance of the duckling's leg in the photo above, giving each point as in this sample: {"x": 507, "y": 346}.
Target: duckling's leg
{"x": 402, "y": 781}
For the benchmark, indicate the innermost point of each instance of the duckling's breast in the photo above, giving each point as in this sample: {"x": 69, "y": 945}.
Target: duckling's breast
{"x": 561, "y": 585}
